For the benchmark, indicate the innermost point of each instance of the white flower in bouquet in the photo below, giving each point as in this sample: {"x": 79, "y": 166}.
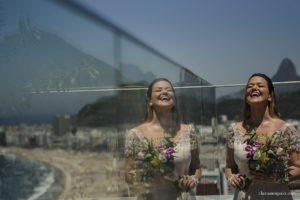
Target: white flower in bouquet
{"x": 162, "y": 158}
{"x": 256, "y": 155}
{"x": 141, "y": 155}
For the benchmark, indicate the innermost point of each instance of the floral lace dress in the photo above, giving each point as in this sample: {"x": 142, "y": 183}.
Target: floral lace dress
{"x": 258, "y": 189}
{"x": 160, "y": 188}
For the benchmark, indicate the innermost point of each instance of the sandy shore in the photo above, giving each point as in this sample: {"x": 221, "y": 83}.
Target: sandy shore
{"x": 85, "y": 174}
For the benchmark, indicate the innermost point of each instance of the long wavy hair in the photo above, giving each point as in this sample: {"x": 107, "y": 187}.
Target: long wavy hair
{"x": 149, "y": 109}
{"x": 272, "y": 106}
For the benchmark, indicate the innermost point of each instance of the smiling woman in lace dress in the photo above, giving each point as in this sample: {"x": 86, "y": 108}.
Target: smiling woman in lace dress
{"x": 162, "y": 121}
{"x": 260, "y": 113}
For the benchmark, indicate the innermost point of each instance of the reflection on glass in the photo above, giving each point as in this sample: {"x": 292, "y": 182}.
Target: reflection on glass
{"x": 58, "y": 69}
{"x": 141, "y": 66}
{"x": 59, "y": 113}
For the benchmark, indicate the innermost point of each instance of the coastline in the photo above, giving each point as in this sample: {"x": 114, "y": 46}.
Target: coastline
{"x": 82, "y": 174}
{"x": 50, "y": 187}
{"x": 42, "y": 181}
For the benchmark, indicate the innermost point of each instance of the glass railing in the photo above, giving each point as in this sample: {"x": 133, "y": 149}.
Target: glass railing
{"x": 72, "y": 84}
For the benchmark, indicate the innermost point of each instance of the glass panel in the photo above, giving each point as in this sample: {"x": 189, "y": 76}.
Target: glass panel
{"x": 45, "y": 54}
{"x": 53, "y": 63}
{"x": 230, "y": 103}
{"x": 140, "y": 65}
{"x": 288, "y": 98}
{"x": 64, "y": 110}
{"x": 229, "y": 108}
{"x": 46, "y": 49}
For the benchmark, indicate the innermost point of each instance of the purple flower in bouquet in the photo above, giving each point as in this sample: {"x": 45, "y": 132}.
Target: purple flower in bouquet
{"x": 139, "y": 162}
{"x": 257, "y": 144}
{"x": 161, "y": 147}
{"x": 249, "y": 156}
{"x": 280, "y": 158}
{"x": 154, "y": 158}
{"x": 169, "y": 153}
{"x": 267, "y": 154}
{"x": 249, "y": 148}
{"x": 251, "y": 151}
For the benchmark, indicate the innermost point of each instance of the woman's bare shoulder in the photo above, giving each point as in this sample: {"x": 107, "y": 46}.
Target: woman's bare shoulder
{"x": 142, "y": 127}
{"x": 239, "y": 125}
{"x": 184, "y": 126}
{"x": 139, "y": 127}
{"x": 279, "y": 122}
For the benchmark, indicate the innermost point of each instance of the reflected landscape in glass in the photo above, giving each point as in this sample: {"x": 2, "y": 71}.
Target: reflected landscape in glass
{"x": 71, "y": 85}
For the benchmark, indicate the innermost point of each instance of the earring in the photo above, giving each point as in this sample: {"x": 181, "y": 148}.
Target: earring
{"x": 150, "y": 104}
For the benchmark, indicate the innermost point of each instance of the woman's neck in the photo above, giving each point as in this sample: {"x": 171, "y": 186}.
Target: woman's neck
{"x": 162, "y": 118}
{"x": 259, "y": 114}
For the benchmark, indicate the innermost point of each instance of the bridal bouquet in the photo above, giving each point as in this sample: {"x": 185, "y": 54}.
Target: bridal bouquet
{"x": 155, "y": 158}
{"x": 269, "y": 155}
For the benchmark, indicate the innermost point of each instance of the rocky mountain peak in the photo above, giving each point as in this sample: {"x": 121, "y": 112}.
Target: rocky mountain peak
{"x": 286, "y": 72}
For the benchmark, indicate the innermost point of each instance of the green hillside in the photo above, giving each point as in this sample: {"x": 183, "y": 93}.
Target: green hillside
{"x": 288, "y": 104}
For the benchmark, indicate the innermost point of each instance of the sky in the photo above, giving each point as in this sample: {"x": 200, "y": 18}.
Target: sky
{"x": 223, "y": 42}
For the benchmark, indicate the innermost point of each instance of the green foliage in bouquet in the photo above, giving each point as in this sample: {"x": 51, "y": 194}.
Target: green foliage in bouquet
{"x": 267, "y": 154}
{"x": 155, "y": 158}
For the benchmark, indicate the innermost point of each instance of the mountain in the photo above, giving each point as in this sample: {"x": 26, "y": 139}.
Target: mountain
{"x": 288, "y": 105}
{"x": 41, "y": 60}
{"x": 134, "y": 73}
{"x": 286, "y": 72}
{"x": 36, "y": 60}
{"x": 32, "y": 59}
{"x": 287, "y": 96}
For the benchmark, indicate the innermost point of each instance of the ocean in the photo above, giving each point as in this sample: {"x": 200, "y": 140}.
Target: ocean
{"x": 22, "y": 179}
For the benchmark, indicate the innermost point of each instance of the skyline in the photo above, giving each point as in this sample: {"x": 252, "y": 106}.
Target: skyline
{"x": 215, "y": 40}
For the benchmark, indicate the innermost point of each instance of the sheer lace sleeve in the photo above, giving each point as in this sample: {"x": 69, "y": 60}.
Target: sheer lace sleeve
{"x": 230, "y": 137}
{"x": 293, "y": 138}
{"x": 134, "y": 141}
{"x": 193, "y": 135}
{"x": 130, "y": 141}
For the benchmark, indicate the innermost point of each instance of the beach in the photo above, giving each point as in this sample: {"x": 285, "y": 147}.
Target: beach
{"x": 85, "y": 174}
